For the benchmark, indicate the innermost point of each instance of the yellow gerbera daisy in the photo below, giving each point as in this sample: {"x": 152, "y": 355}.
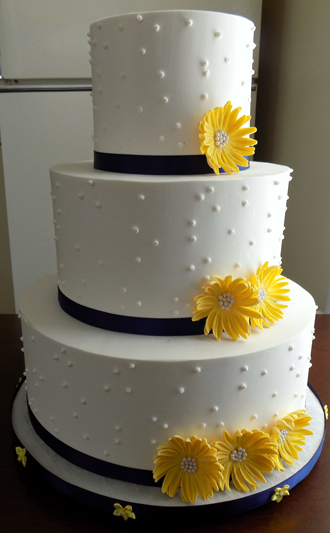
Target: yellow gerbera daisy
{"x": 223, "y": 139}
{"x": 245, "y": 456}
{"x": 289, "y": 435}
{"x": 228, "y": 306}
{"x": 269, "y": 286}
{"x": 191, "y": 464}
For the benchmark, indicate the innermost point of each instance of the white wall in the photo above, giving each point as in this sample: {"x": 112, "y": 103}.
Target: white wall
{"x": 293, "y": 120}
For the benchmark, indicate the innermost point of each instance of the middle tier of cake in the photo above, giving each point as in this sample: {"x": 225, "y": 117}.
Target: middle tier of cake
{"x": 142, "y": 246}
{"x": 116, "y": 397}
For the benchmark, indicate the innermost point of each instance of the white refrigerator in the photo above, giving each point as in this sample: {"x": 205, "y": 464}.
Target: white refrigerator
{"x": 46, "y": 111}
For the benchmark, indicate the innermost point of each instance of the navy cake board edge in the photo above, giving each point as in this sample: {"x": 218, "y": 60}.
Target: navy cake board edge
{"x": 148, "y": 503}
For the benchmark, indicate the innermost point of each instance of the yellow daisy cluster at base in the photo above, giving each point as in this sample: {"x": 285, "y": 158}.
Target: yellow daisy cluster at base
{"x": 223, "y": 139}
{"x": 199, "y": 468}
{"x": 233, "y": 305}
{"x": 280, "y": 492}
{"x": 21, "y": 455}
{"x": 125, "y": 512}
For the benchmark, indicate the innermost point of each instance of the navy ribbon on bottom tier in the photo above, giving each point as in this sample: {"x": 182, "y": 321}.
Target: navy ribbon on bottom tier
{"x": 164, "y": 327}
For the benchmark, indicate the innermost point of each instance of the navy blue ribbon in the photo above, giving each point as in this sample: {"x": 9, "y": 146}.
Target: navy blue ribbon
{"x": 154, "y": 164}
{"x": 164, "y": 327}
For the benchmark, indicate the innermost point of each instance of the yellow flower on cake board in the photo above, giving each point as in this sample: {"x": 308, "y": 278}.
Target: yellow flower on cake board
{"x": 21, "y": 455}
{"x": 228, "y": 305}
{"x": 125, "y": 512}
{"x": 223, "y": 139}
{"x": 280, "y": 492}
{"x": 189, "y": 464}
{"x": 289, "y": 435}
{"x": 245, "y": 456}
{"x": 269, "y": 285}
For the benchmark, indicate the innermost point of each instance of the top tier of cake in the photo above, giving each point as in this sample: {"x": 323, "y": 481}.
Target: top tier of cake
{"x": 155, "y": 75}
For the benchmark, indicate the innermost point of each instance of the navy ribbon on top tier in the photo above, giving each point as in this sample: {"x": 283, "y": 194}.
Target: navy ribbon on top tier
{"x": 159, "y": 327}
{"x": 154, "y": 164}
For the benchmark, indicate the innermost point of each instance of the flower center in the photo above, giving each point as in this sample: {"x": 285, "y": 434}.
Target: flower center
{"x": 189, "y": 464}
{"x": 239, "y": 455}
{"x": 261, "y": 294}
{"x": 284, "y": 434}
{"x": 226, "y": 300}
{"x": 221, "y": 138}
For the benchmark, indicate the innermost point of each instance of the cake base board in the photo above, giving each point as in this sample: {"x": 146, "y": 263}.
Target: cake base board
{"x": 101, "y": 493}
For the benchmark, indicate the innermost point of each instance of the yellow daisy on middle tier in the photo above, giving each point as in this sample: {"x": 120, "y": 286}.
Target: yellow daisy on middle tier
{"x": 269, "y": 285}
{"x": 228, "y": 305}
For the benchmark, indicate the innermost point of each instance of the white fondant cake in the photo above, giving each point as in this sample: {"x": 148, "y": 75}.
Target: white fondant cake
{"x": 117, "y": 396}
{"x": 143, "y": 245}
{"x": 137, "y": 248}
{"x": 156, "y": 74}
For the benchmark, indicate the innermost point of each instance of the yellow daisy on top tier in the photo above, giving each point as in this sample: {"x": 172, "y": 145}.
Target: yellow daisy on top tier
{"x": 245, "y": 456}
{"x": 223, "y": 139}
{"x": 228, "y": 306}
{"x": 270, "y": 289}
{"x": 191, "y": 464}
{"x": 289, "y": 435}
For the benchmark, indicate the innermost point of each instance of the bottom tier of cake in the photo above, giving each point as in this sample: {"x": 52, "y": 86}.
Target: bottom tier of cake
{"x": 114, "y": 398}
{"x": 148, "y": 503}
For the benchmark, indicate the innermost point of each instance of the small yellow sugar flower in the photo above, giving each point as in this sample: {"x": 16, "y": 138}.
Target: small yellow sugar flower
{"x": 280, "y": 492}
{"x": 326, "y": 412}
{"x": 21, "y": 455}
{"x": 125, "y": 512}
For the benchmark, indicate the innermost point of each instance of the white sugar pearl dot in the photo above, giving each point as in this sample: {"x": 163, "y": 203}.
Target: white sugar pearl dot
{"x": 143, "y": 51}
{"x": 98, "y": 205}
{"x": 77, "y": 248}
{"x": 264, "y": 372}
{"x": 189, "y": 22}
{"x": 139, "y": 303}
{"x": 242, "y": 386}
{"x": 218, "y": 34}
{"x": 139, "y": 18}
{"x": 231, "y": 231}
{"x": 140, "y": 109}
{"x": 106, "y": 388}
{"x": 70, "y": 364}
{"x": 204, "y": 96}
{"x": 291, "y": 347}
{"x": 245, "y": 188}
{"x": 207, "y": 260}
{"x": 138, "y": 259}
{"x": 178, "y": 126}
{"x": 192, "y": 223}
{"x": 81, "y": 196}
{"x": 161, "y": 138}
{"x": 227, "y": 59}
{"x": 161, "y": 74}
{"x": 180, "y": 146}
{"x": 254, "y": 417}
{"x": 75, "y": 415}
{"x": 181, "y": 390}
{"x": 200, "y": 197}
{"x": 206, "y": 73}
{"x": 274, "y": 394}
{"x": 197, "y": 369}
{"x": 215, "y": 409}
{"x": 121, "y": 28}
{"x": 136, "y": 229}
{"x": 191, "y": 268}
{"x": 210, "y": 189}
{"x": 216, "y": 208}
{"x": 91, "y": 183}
{"x": 132, "y": 366}
{"x": 83, "y": 401}
{"x": 155, "y": 243}
{"x": 129, "y": 391}
{"x": 192, "y": 238}
{"x": 237, "y": 265}
{"x": 106, "y": 453}
{"x": 116, "y": 371}
{"x": 165, "y": 426}
{"x": 141, "y": 197}
{"x": 292, "y": 367}
{"x": 156, "y": 27}
{"x": 117, "y": 441}
{"x": 251, "y": 243}
{"x": 117, "y": 428}
{"x": 153, "y": 442}
{"x": 154, "y": 418}
{"x": 245, "y": 368}
{"x": 245, "y": 203}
